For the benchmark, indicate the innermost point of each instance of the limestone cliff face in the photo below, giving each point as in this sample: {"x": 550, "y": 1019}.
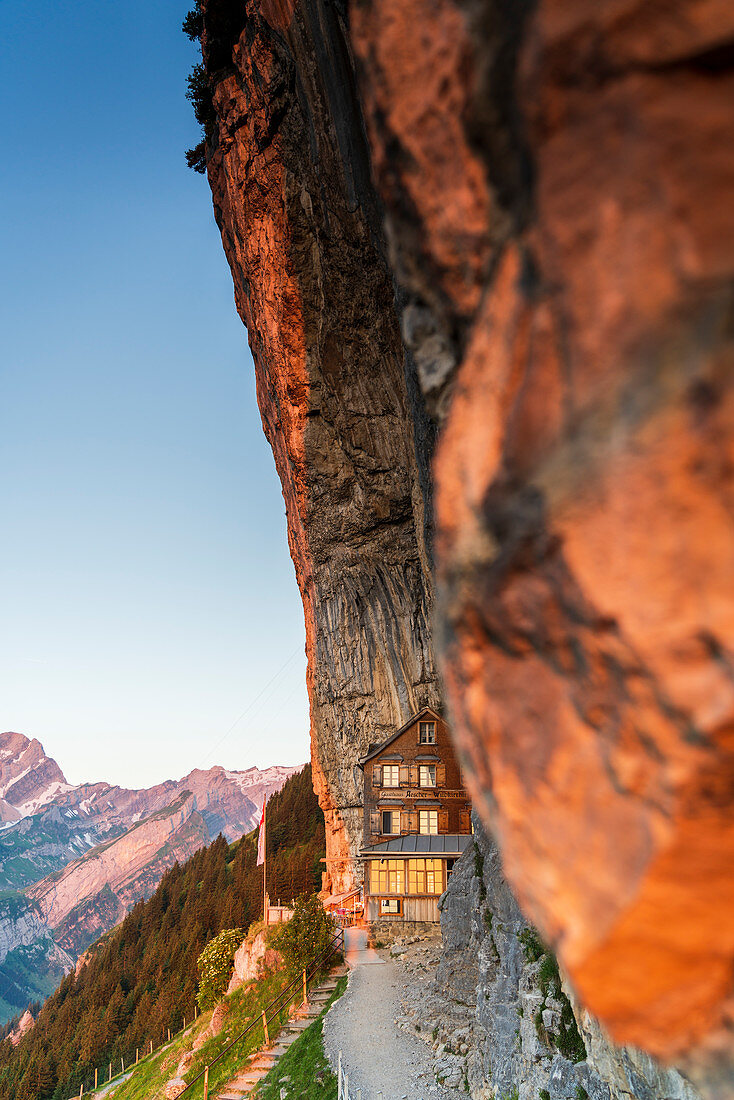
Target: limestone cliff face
{"x": 290, "y": 182}
{"x": 555, "y": 182}
{"x": 529, "y": 1036}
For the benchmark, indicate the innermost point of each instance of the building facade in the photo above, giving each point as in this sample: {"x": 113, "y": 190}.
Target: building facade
{"x": 417, "y": 820}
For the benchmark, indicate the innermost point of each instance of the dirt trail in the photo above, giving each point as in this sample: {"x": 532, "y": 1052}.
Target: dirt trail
{"x": 377, "y": 1055}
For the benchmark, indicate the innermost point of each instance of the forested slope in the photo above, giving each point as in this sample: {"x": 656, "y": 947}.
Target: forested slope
{"x": 140, "y": 979}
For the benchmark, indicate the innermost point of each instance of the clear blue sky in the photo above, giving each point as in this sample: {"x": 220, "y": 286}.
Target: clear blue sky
{"x": 146, "y": 593}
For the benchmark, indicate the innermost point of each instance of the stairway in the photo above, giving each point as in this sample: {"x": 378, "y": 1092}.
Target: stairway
{"x": 263, "y": 1060}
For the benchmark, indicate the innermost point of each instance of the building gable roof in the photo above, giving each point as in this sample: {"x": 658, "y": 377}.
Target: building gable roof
{"x": 398, "y": 733}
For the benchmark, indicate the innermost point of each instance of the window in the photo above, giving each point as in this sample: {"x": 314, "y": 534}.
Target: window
{"x": 387, "y": 876}
{"x": 391, "y": 822}
{"x": 427, "y": 733}
{"x": 428, "y": 822}
{"x": 391, "y": 905}
{"x": 427, "y": 775}
{"x": 391, "y": 775}
{"x": 426, "y": 876}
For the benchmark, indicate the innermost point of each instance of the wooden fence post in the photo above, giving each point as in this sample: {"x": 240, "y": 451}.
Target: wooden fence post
{"x": 265, "y": 1029}
{"x": 305, "y": 993}
{"x": 151, "y": 1046}
{"x": 169, "y": 1035}
{"x": 122, "y": 1063}
{"x": 206, "y": 1082}
{"x": 81, "y": 1090}
{"x": 110, "y": 1071}
{"x": 137, "y": 1055}
{"x": 95, "y": 1080}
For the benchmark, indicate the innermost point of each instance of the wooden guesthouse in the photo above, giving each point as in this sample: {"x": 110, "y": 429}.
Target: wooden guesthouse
{"x": 417, "y": 820}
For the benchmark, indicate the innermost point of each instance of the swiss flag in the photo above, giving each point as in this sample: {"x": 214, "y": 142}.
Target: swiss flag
{"x": 261, "y": 839}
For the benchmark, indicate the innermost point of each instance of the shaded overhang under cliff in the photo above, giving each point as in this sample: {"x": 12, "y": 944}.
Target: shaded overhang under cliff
{"x": 449, "y": 845}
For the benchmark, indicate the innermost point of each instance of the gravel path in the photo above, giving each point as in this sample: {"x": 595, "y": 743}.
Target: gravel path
{"x": 105, "y": 1090}
{"x": 377, "y": 1055}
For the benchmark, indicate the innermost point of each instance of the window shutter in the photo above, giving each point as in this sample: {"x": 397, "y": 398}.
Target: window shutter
{"x": 376, "y": 775}
{"x": 404, "y": 821}
{"x": 375, "y": 822}
{"x": 414, "y": 775}
{"x": 443, "y": 821}
{"x": 465, "y": 821}
{"x": 404, "y": 775}
{"x": 412, "y": 821}
{"x": 440, "y": 775}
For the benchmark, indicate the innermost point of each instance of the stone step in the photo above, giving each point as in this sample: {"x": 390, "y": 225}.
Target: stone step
{"x": 263, "y": 1061}
{"x": 286, "y": 1041}
{"x": 247, "y": 1076}
{"x": 246, "y": 1081}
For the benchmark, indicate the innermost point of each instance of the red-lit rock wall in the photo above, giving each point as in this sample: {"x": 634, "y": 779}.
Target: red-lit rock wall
{"x": 556, "y": 182}
{"x": 291, "y": 191}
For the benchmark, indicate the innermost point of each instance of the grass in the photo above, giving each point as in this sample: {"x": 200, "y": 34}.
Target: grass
{"x": 303, "y": 1071}
{"x": 244, "y": 1005}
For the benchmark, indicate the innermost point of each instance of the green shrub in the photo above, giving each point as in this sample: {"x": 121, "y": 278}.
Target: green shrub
{"x": 215, "y": 966}
{"x": 306, "y": 935}
{"x": 200, "y": 96}
{"x": 193, "y": 23}
{"x": 543, "y": 1094}
{"x": 569, "y": 1042}
{"x": 479, "y": 871}
{"x": 532, "y": 945}
{"x": 548, "y": 976}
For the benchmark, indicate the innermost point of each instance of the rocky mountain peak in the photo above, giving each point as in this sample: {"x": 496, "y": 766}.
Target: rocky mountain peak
{"x": 29, "y": 778}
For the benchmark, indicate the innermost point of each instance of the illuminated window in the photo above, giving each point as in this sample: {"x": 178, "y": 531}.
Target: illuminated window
{"x": 390, "y": 822}
{"x": 426, "y": 876}
{"x": 387, "y": 876}
{"x": 391, "y": 905}
{"x": 427, "y": 774}
{"x": 391, "y": 775}
{"x": 428, "y": 822}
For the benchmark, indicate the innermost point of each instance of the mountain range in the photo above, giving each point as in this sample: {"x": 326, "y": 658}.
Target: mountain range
{"x": 75, "y": 858}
